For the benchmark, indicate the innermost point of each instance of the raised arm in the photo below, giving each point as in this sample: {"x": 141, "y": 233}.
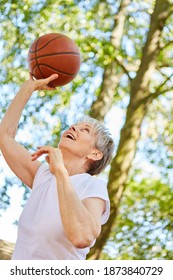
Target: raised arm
{"x": 17, "y": 157}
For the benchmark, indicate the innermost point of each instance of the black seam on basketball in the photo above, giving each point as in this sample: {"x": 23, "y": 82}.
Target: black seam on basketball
{"x": 59, "y": 71}
{"x": 36, "y": 59}
{"x": 45, "y": 44}
{"x": 47, "y": 55}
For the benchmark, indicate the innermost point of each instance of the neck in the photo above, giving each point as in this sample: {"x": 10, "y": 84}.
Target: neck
{"x": 73, "y": 164}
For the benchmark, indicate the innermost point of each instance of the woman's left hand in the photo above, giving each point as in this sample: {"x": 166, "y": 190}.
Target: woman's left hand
{"x": 54, "y": 157}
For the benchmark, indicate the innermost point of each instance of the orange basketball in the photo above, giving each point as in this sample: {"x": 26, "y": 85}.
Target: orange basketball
{"x": 54, "y": 53}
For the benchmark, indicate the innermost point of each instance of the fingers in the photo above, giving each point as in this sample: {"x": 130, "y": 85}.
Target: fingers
{"x": 53, "y": 157}
{"x": 46, "y": 81}
{"x": 52, "y": 77}
{"x": 48, "y": 159}
{"x": 44, "y": 84}
{"x": 47, "y": 87}
{"x": 39, "y": 152}
{"x": 43, "y": 150}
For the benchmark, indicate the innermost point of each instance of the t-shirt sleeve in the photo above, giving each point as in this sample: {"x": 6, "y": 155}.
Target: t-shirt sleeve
{"x": 98, "y": 188}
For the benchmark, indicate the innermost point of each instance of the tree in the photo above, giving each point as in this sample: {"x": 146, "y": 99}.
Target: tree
{"x": 126, "y": 58}
{"x": 140, "y": 99}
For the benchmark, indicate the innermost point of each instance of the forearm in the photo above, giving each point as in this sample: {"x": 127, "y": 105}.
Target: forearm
{"x": 11, "y": 119}
{"x": 79, "y": 224}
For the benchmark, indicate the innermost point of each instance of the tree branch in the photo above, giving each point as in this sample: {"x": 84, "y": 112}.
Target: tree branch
{"x": 120, "y": 63}
{"x": 159, "y": 90}
{"x": 164, "y": 46}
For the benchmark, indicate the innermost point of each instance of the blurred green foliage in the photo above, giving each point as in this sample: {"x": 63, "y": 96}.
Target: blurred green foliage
{"x": 144, "y": 226}
{"x": 143, "y": 229}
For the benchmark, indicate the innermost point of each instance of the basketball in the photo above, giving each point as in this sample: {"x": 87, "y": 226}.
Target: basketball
{"x": 54, "y": 53}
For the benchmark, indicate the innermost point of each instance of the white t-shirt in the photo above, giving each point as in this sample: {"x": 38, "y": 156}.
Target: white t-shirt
{"x": 40, "y": 232}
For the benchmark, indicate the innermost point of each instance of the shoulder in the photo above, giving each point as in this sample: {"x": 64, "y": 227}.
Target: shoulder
{"x": 89, "y": 186}
{"x": 96, "y": 185}
{"x": 88, "y": 179}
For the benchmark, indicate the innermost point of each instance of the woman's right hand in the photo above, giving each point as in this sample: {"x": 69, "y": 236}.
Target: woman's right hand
{"x": 41, "y": 84}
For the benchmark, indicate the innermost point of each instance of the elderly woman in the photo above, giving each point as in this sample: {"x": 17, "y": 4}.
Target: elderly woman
{"x": 67, "y": 206}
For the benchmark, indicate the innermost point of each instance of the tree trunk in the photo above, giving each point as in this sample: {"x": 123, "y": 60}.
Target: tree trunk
{"x": 6, "y": 250}
{"x": 111, "y": 74}
{"x": 136, "y": 111}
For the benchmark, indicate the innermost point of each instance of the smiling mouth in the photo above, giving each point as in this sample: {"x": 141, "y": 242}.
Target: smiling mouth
{"x": 70, "y": 136}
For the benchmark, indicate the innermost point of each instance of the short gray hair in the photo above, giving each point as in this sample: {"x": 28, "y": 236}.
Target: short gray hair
{"x": 103, "y": 142}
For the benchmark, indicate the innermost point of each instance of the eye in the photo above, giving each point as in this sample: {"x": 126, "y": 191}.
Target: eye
{"x": 85, "y": 129}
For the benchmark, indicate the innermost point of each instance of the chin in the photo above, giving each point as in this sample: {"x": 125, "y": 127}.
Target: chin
{"x": 64, "y": 145}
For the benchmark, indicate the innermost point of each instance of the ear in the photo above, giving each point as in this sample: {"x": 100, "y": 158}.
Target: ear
{"x": 95, "y": 155}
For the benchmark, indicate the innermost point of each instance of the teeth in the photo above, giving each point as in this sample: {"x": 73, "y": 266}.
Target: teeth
{"x": 70, "y": 135}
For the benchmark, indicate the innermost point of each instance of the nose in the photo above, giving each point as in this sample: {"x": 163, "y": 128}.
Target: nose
{"x": 73, "y": 127}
